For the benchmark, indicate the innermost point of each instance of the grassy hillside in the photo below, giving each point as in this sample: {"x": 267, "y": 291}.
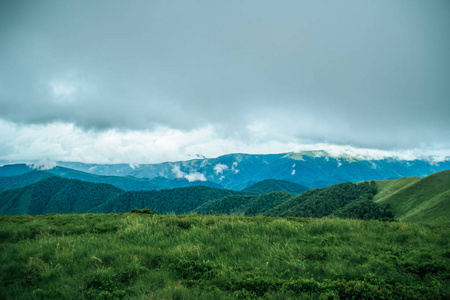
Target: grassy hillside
{"x": 250, "y": 205}
{"x": 109, "y": 256}
{"x": 274, "y": 185}
{"x": 422, "y": 200}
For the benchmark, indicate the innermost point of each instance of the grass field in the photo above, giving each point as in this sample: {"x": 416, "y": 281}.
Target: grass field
{"x": 137, "y": 256}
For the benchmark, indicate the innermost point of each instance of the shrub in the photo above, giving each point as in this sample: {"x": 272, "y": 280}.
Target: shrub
{"x": 146, "y": 210}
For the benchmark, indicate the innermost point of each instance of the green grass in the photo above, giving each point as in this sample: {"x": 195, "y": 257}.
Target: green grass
{"x": 122, "y": 256}
{"x": 388, "y": 187}
{"x": 425, "y": 200}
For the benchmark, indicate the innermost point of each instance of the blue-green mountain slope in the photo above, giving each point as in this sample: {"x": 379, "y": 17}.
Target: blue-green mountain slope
{"x": 55, "y": 195}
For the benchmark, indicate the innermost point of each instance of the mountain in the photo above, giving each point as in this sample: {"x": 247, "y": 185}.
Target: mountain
{"x": 424, "y": 200}
{"x": 274, "y": 185}
{"x": 348, "y": 200}
{"x": 308, "y": 168}
{"x": 250, "y": 205}
{"x": 128, "y": 183}
{"x": 56, "y": 195}
{"x": 14, "y": 170}
{"x": 178, "y": 201}
{"x": 12, "y": 182}
{"x": 313, "y": 169}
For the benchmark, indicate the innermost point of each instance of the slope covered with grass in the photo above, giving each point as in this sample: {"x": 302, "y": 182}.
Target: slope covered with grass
{"x": 109, "y": 256}
{"x": 421, "y": 200}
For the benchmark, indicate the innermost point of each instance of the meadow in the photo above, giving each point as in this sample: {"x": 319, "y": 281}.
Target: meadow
{"x": 145, "y": 256}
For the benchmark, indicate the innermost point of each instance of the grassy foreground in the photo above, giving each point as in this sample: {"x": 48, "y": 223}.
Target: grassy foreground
{"x": 114, "y": 256}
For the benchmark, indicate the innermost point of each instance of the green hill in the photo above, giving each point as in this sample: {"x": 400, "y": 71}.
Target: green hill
{"x": 250, "y": 205}
{"x": 13, "y": 182}
{"x": 55, "y": 195}
{"x": 178, "y": 201}
{"x": 422, "y": 200}
{"x": 274, "y": 185}
{"x": 349, "y": 200}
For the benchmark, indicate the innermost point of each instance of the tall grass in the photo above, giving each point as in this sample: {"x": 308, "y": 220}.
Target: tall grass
{"x": 121, "y": 256}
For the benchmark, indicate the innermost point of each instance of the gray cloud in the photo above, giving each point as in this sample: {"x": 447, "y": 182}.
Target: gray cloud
{"x": 366, "y": 73}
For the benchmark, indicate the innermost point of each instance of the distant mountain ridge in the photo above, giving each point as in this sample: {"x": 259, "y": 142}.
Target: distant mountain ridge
{"x": 312, "y": 169}
{"x": 425, "y": 200}
{"x": 127, "y": 183}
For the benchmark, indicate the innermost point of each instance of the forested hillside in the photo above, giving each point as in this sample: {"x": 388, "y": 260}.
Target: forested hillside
{"x": 410, "y": 199}
{"x": 347, "y": 200}
{"x": 250, "y": 205}
{"x": 13, "y": 182}
{"x": 274, "y": 185}
{"x": 55, "y": 195}
{"x": 178, "y": 201}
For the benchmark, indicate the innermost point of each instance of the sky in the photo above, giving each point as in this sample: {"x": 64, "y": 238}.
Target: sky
{"x": 149, "y": 81}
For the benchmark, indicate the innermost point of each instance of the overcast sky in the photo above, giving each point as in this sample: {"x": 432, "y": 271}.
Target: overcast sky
{"x": 150, "y": 81}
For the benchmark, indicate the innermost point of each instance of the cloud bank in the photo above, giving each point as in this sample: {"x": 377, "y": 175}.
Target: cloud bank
{"x": 44, "y": 144}
{"x": 156, "y": 80}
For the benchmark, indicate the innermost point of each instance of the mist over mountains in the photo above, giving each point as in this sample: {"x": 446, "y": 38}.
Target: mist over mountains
{"x": 237, "y": 171}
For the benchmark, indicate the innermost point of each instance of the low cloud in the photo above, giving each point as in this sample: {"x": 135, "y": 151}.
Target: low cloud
{"x": 67, "y": 142}
{"x": 220, "y": 168}
{"x": 42, "y": 165}
{"x": 191, "y": 177}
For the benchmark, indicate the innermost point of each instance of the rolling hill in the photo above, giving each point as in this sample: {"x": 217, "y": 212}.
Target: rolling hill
{"x": 273, "y": 185}
{"x": 56, "y": 195}
{"x": 425, "y": 200}
{"x": 13, "y": 182}
{"x": 178, "y": 201}
{"x": 250, "y": 205}
{"x": 349, "y": 200}
{"x": 413, "y": 199}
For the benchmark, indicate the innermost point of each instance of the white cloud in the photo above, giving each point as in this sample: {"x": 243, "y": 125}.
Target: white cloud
{"x": 67, "y": 142}
{"x": 235, "y": 164}
{"x": 219, "y": 168}
{"x": 42, "y": 165}
{"x": 194, "y": 176}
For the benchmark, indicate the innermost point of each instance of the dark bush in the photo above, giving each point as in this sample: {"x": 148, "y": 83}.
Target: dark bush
{"x": 146, "y": 210}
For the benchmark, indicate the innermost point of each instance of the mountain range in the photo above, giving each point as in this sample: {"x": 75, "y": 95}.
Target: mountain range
{"x": 408, "y": 199}
{"x": 312, "y": 169}
{"x": 259, "y": 187}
